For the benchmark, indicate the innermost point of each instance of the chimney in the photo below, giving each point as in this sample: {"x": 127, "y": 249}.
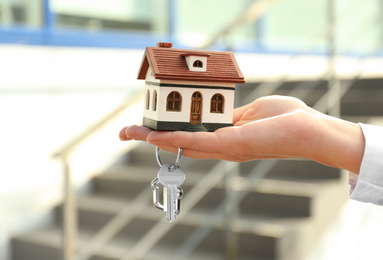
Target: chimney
{"x": 165, "y": 44}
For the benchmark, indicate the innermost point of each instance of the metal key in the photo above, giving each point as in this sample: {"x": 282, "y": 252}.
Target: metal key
{"x": 171, "y": 176}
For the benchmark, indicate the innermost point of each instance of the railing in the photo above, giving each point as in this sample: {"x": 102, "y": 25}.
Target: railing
{"x": 69, "y": 225}
{"x": 252, "y": 14}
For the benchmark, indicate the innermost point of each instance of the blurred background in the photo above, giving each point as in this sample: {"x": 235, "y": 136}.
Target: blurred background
{"x": 71, "y": 190}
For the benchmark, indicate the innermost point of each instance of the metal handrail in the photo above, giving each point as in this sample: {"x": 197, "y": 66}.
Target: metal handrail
{"x": 70, "y": 146}
{"x": 69, "y": 226}
{"x": 253, "y": 13}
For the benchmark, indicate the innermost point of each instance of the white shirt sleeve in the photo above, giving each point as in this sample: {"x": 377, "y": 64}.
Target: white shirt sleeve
{"x": 368, "y": 186}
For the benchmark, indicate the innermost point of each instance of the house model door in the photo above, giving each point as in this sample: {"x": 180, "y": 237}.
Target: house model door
{"x": 196, "y": 109}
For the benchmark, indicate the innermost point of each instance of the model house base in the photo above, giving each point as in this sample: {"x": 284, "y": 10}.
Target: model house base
{"x": 182, "y": 126}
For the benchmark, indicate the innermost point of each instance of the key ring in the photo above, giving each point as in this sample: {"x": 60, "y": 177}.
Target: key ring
{"x": 179, "y": 157}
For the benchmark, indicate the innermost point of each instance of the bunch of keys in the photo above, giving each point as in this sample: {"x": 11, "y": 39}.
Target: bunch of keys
{"x": 170, "y": 176}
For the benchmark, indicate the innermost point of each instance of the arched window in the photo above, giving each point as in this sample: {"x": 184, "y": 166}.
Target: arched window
{"x": 147, "y": 99}
{"x": 174, "y": 101}
{"x": 198, "y": 64}
{"x": 154, "y": 103}
{"x": 217, "y": 104}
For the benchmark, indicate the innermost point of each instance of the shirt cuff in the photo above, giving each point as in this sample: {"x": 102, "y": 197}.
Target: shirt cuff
{"x": 368, "y": 186}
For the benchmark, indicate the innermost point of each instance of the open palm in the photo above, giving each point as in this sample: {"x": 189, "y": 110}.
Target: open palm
{"x": 260, "y": 128}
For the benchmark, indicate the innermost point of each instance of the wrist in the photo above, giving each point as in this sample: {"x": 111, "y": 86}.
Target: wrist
{"x": 340, "y": 143}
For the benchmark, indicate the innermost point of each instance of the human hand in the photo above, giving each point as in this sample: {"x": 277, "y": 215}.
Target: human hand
{"x": 269, "y": 127}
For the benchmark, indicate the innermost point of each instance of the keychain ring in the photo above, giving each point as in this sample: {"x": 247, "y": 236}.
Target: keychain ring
{"x": 179, "y": 157}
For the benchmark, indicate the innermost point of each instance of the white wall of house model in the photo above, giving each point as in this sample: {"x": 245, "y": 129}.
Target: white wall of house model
{"x": 159, "y": 113}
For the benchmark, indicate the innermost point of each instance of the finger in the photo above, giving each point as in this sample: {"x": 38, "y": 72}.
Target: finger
{"x": 200, "y": 141}
{"x": 220, "y": 155}
{"x": 211, "y": 155}
{"x": 238, "y": 112}
{"x": 123, "y": 136}
{"x": 134, "y": 132}
{"x": 202, "y": 155}
{"x": 225, "y": 140}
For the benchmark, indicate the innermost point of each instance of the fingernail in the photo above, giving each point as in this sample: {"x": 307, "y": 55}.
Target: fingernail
{"x": 149, "y": 138}
{"x": 123, "y": 134}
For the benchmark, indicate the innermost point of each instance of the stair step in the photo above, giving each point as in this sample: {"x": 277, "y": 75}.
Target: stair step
{"x": 43, "y": 244}
{"x": 270, "y": 195}
{"x": 362, "y": 99}
{"x": 264, "y": 237}
{"x": 255, "y": 201}
{"x": 271, "y": 198}
{"x": 136, "y": 175}
{"x": 295, "y": 170}
{"x": 265, "y": 233}
{"x": 260, "y": 237}
{"x": 91, "y": 215}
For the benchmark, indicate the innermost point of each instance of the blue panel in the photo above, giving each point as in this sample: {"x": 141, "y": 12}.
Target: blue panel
{"x": 102, "y": 39}
{"x": 50, "y": 35}
{"x": 49, "y": 16}
{"x": 108, "y": 39}
{"x": 21, "y": 35}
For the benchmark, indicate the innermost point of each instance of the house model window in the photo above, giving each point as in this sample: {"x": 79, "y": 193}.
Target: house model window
{"x": 147, "y": 100}
{"x": 196, "y": 61}
{"x": 198, "y": 64}
{"x": 217, "y": 103}
{"x": 174, "y": 101}
{"x": 154, "y": 108}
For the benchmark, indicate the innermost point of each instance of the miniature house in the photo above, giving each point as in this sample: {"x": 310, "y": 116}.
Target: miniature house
{"x": 188, "y": 90}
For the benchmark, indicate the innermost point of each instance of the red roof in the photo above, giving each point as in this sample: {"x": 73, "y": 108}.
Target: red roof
{"x": 169, "y": 63}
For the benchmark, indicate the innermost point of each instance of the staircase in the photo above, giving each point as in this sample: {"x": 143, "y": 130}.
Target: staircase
{"x": 281, "y": 217}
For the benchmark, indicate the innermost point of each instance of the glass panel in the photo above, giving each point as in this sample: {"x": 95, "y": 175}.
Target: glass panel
{"x": 213, "y": 17}
{"x": 302, "y": 25}
{"x": 176, "y": 105}
{"x": 126, "y": 15}
{"x": 21, "y": 12}
{"x": 288, "y": 26}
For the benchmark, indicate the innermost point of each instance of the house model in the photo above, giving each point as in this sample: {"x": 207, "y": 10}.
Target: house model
{"x": 188, "y": 90}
